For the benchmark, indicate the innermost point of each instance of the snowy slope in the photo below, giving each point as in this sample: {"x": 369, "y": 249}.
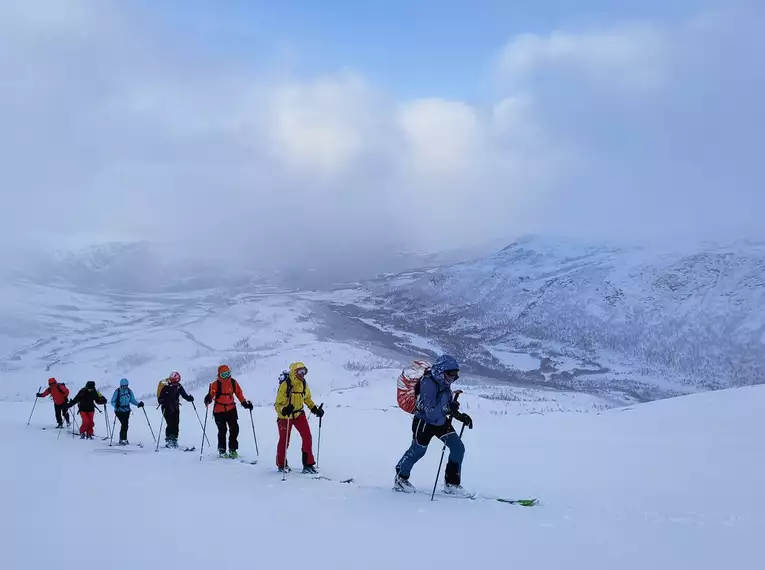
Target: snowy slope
{"x": 629, "y": 320}
{"x": 665, "y": 485}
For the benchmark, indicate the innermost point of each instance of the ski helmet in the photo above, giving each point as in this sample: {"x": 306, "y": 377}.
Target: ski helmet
{"x": 90, "y": 385}
{"x": 124, "y": 382}
{"x": 175, "y": 377}
{"x": 224, "y": 371}
{"x": 51, "y": 381}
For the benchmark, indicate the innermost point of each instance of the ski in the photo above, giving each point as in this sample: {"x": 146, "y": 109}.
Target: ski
{"x": 325, "y": 478}
{"x": 473, "y": 497}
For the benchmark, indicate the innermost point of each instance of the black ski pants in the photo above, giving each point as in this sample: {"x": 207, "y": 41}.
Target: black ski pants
{"x": 124, "y": 418}
{"x": 172, "y": 419}
{"x": 230, "y": 420}
{"x": 60, "y": 410}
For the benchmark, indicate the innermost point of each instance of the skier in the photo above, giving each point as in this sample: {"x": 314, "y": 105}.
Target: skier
{"x": 433, "y": 415}
{"x": 291, "y": 395}
{"x": 87, "y": 398}
{"x": 60, "y": 394}
{"x": 121, "y": 400}
{"x": 222, "y": 391}
{"x": 170, "y": 400}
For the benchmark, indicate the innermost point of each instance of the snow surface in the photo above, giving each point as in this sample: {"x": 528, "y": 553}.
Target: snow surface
{"x": 670, "y": 484}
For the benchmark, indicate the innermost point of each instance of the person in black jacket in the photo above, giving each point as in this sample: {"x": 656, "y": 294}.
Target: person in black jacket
{"x": 169, "y": 399}
{"x": 87, "y": 398}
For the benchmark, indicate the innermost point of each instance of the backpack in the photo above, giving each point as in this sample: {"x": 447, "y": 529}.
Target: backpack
{"x": 162, "y": 383}
{"x": 408, "y": 385}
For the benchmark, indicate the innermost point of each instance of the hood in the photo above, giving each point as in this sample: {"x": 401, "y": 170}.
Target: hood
{"x": 51, "y": 381}
{"x": 293, "y": 370}
{"x": 444, "y": 363}
{"x": 123, "y": 383}
{"x": 223, "y": 368}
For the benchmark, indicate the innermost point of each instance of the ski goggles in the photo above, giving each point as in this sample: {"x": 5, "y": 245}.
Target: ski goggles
{"x": 451, "y": 375}
{"x": 301, "y": 371}
{"x": 226, "y": 374}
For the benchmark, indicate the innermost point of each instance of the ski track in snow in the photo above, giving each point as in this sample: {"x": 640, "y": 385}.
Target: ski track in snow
{"x": 672, "y": 484}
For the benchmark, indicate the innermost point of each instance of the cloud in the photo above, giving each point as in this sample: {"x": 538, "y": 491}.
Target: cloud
{"x": 631, "y": 55}
{"x": 114, "y": 129}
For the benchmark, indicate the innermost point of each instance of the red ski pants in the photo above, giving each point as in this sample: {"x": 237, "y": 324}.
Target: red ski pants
{"x": 87, "y": 424}
{"x": 301, "y": 424}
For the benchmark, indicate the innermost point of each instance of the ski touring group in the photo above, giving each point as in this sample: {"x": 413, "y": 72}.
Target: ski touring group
{"x": 423, "y": 390}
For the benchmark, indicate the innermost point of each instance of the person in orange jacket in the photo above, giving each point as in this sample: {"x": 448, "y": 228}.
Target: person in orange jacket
{"x": 292, "y": 394}
{"x": 60, "y": 394}
{"x": 222, "y": 392}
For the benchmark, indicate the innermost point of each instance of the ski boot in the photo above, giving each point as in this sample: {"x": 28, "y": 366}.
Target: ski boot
{"x": 59, "y": 426}
{"x": 310, "y": 469}
{"x": 82, "y": 436}
{"x": 457, "y": 490}
{"x": 233, "y": 455}
{"x": 171, "y": 443}
{"x": 222, "y": 454}
{"x": 403, "y": 485}
{"x": 123, "y": 442}
{"x": 285, "y": 469}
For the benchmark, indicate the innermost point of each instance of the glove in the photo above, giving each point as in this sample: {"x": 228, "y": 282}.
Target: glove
{"x": 454, "y": 407}
{"x": 191, "y": 398}
{"x": 288, "y": 409}
{"x": 247, "y": 405}
{"x": 101, "y": 401}
{"x": 140, "y": 404}
{"x": 208, "y": 400}
{"x": 465, "y": 419}
{"x": 319, "y": 412}
{"x": 39, "y": 395}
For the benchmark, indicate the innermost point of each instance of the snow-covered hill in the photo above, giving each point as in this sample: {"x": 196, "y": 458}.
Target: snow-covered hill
{"x": 631, "y": 321}
{"x": 665, "y": 485}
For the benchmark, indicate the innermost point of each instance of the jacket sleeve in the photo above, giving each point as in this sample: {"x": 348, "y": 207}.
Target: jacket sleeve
{"x": 281, "y": 397}
{"x": 132, "y": 398}
{"x": 100, "y": 399}
{"x": 76, "y": 398}
{"x": 238, "y": 392}
{"x": 115, "y": 397}
{"x": 213, "y": 390}
{"x": 46, "y": 393}
{"x": 307, "y": 397}
{"x": 429, "y": 398}
{"x": 184, "y": 395}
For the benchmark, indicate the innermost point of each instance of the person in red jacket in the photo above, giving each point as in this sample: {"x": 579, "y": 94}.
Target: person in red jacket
{"x": 60, "y": 394}
{"x": 222, "y": 391}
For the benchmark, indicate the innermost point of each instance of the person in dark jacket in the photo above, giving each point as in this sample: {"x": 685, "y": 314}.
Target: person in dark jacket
{"x": 60, "y": 395}
{"x": 121, "y": 400}
{"x": 436, "y": 406}
{"x": 87, "y": 398}
{"x": 170, "y": 400}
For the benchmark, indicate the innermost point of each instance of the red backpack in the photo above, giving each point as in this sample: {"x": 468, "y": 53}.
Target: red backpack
{"x": 408, "y": 385}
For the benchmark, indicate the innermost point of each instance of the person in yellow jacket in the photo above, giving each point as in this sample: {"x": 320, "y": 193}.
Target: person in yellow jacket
{"x": 291, "y": 396}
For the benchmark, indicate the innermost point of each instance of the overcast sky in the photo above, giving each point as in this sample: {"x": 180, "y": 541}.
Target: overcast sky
{"x": 304, "y": 130}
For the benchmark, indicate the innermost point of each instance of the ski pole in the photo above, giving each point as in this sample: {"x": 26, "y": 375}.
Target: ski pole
{"x": 75, "y": 427}
{"x": 33, "y": 405}
{"x": 286, "y": 445}
{"x": 106, "y": 421}
{"x": 193, "y": 405}
{"x": 438, "y": 473}
{"x": 252, "y": 422}
{"x": 204, "y": 432}
{"x": 159, "y": 433}
{"x": 318, "y": 445}
{"x": 148, "y": 422}
{"x": 114, "y": 422}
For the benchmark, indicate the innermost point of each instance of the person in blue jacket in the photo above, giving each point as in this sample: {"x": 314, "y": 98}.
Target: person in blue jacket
{"x": 435, "y": 409}
{"x": 121, "y": 400}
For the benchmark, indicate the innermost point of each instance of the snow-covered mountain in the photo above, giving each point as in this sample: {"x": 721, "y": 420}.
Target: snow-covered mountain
{"x": 637, "y": 320}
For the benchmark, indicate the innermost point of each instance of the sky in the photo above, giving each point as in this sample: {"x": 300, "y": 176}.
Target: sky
{"x": 304, "y": 132}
